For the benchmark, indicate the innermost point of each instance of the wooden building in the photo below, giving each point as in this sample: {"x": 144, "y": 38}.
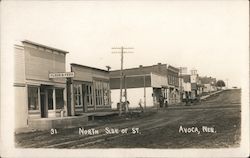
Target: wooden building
{"x": 46, "y": 96}
{"x": 91, "y": 89}
{"x": 37, "y": 95}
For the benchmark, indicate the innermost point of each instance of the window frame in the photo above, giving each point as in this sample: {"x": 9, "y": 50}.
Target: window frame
{"x": 78, "y": 95}
{"x": 38, "y": 98}
{"x": 62, "y": 89}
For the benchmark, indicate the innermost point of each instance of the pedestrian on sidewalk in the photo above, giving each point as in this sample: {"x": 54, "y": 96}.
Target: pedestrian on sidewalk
{"x": 165, "y": 102}
{"x": 186, "y": 100}
{"x": 161, "y": 100}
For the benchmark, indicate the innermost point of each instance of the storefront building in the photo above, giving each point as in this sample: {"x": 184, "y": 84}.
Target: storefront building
{"x": 186, "y": 87}
{"x": 91, "y": 90}
{"x": 209, "y": 84}
{"x": 36, "y": 94}
{"x": 173, "y": 84}
{"x": 143, "y": 84}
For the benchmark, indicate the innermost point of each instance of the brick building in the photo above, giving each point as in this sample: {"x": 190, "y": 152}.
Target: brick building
{"x": 173, "y": 84}
{"x": 146, "y": 83}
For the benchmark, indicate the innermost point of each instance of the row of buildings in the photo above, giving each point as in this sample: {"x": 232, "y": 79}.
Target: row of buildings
{"x": 46, "y": 95}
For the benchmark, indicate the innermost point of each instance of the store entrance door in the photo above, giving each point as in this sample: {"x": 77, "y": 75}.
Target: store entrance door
{"x": 44, "y": 111}
{"x": 44, "y": 102}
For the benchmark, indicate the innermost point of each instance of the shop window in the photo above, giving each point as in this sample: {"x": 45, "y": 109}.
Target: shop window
{"x": 50, "y": 99}
{"x": 106, "y": 93}
{"x": 78, "y": 95}
{"x": 99, "y": 93}
{"x": 89, "y": 95}
{"x": 59, "y": 99}
{"x": 33, "y": 98}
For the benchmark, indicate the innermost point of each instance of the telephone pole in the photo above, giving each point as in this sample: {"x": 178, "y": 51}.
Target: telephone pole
{"x": 121, "y": 72}
{"x": 180, "y": 80}
{"x": 182, "y": 71}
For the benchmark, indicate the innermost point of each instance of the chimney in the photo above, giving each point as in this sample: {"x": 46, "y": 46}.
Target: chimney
{"x": 159, "y": 67}
{"x": 140, "y": 68}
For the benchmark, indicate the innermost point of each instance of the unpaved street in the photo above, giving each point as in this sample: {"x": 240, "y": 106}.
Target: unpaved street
{"x": 213, "y": 123}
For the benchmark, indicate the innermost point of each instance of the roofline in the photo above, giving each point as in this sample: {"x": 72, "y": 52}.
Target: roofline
{"x": 141, "y": 75}
{"x": 41, "y": 45}
{"x": 84, "y": 66}
{"x": 139, "y": 67}
{"x": 173, "y": 68}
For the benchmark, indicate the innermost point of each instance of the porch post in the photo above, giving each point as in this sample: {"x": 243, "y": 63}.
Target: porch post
{"x": 39, "y": 101}
{"x": 54, "y": 99}
{"x": 94, "y": 94}
{"x": 81, "y": 97}
{"x": 72, "y": 100}
{"x": 65, "y": 101}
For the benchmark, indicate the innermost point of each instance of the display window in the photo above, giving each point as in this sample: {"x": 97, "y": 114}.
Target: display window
{"x": 59, "y": 98}
{"x": 33, "y": 98}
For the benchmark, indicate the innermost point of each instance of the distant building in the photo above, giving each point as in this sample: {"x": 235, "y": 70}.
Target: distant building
{"x": 186, "y": 83}
{"x": 153, "y": 78}
{"x": 196, "y": 86}
{"x": 158, "y": 80}
{"x": 173, "y": 84}
{"x": 209, "y": 84}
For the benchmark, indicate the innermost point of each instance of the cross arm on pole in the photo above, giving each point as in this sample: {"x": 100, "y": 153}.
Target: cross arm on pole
{"x": 122, "y": 48}
{"x": 123, "y": 52}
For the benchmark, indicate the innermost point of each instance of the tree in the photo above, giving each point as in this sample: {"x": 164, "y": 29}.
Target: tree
{"x": 220, "y": 83}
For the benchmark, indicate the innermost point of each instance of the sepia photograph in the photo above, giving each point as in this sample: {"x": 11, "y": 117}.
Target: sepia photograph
{"x": 125, "y": 78}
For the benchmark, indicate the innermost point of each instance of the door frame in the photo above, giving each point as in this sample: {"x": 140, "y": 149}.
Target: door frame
{"x": 44, "y": 108}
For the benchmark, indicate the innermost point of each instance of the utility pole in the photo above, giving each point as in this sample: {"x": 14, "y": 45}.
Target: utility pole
{"x": 144, "y": 85}
{"x": 121, "y": 72}
{"x": 181, "y": 95}
{"x": 180, "y": 79}
{"x": 125, "y": 94}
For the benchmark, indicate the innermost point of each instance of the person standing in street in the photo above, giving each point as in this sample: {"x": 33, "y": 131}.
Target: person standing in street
{"x": 140, "y": 105}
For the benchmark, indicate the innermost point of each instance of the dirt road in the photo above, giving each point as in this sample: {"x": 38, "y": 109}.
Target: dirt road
{"x": 214, "y": 123}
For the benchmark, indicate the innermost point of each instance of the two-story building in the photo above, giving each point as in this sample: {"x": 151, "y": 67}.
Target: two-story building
{"x": 145, "y": 83}
{"x": 173, "y": 85}
{"x": 186, "y": 84}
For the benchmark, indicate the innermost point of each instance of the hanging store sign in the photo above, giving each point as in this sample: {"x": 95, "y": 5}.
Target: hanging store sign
{"x": 61, "y": 75}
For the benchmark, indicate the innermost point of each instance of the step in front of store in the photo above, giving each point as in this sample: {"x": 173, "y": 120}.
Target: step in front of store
{"x": 58, "y": 122}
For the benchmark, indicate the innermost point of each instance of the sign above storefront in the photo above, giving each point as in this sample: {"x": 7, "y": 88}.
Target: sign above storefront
{"x": 61, "y": 75}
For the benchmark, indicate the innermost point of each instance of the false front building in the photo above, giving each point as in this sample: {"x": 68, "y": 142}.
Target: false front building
{"x": 37, "y": 95}
{"x": 48, "y": 97}
{"x": 91, "y": 91}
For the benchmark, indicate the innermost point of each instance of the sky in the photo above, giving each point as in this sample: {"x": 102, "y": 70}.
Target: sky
{"x": 210, "y": 36}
